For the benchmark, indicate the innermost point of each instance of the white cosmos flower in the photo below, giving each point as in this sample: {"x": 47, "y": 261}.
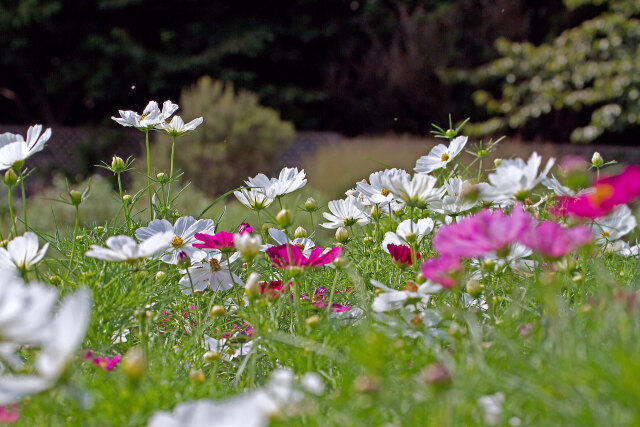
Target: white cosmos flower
{"x": 456, "y": 199}
{"x": 392, "y": 299}
{"x": 22, "y": 253}
{"x": 418, "y": 191}
{"x": 408, "y": 232}
{"x": 227, "y": 347}
{"x": 253, "y": 198}
{"x": 151, "y": 117}
{"x": 345, "y": 212}
{"x": 15, "y": 150}
{"x": 287, "y": 182}
{"x": 124, "y": 248}
{"x": 622, "y": 248}
{"x": 618, "y": 223}
{"x": 210, "y": 272}
{"x": 513, "y": 179}
{"x": 515, "y": 259}
{"x": 305, "y": 245}
{"x": 177, "y": 127}
{"x": 440, "y": 155}
{"x": 376, "y": 190}
{"x": 492, "y": 407}
{"x": 554, "y": 185}
{"x": 183, "y": 231}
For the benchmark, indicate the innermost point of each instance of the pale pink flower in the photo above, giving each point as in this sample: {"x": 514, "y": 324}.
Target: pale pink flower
{"x": 554, "y": 240}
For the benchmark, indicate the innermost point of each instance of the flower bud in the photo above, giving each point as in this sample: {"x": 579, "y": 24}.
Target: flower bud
{"x": 368, "y": 240}
{"x": 283, "y": 218}
{"x": 376, "y": 212}
{"x": 183, "y": 260}
{"x": 197, "y": 376}
{"x": 341, "y": 262}
{"x": 10, "y": 178}
{"x": 310, "y": 205}
{"x": 294, "y": 270}
{"x": 450, "y": 133}
{"x": 160, "y": 275}
{"x": 342, "y": 235}
{"x": 217, "y": 311}
{"x": 497, "y": 162}
{"x": 55, "y": 280}
{"x": 247, "y": 245}
{"x": 127, "y": 199}
{"x": 312, "y": 321}
{"x": 162, "y": 178}
{"x": 134, "y": 363}
{"x": 76, "y": 197}
{"x": 474, "y": 288}
{"x": 252, "y": 288}
{"x": 597, "y": 160}
{"x": 117, "y": 164}
{"x": 300, "y": 233}
{"x": 211, "y": 356}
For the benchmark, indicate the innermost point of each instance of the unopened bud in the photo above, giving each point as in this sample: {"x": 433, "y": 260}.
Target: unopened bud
{"x": 310, "y": 205}
{"x": 342, "y": 235}
{"x": 183, "y": 260}
{"x": 300, "y": 233}
{"x": 55, "y": 280}
{"x": 10, "y": 178}
{"x": 161, "y": 275}
{"x": 247, "y": 245}
{"x": 134, "y": 363}
{"x": 450, "y": 133}
{"x": 376, "y": 212}
{"x": 474, "y": 288}
{"x": 162, "y": 178}
{"x": 197, "y": 376}
{"x": 368, "y": 240}
{"x": 312, "y": 321}
{"x": 294, "y": 270}
{"x": 76, "y": 197}
{"x": 211, "y": 356}
{"x": 497, "y": 162}
{"x": 217, "y": 311}
{"x": 597, "y": 160}
{"x": 117, "y": 164}
{"x": 341, "y": 262}
{"x": 283, "y": 218}
{"x": 252, "y": 287}
{"x": 127, "y": 199}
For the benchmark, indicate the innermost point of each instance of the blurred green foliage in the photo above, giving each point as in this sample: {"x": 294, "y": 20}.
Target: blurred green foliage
{"x": 238, "y": 138}
{"x": 588, "y": 78}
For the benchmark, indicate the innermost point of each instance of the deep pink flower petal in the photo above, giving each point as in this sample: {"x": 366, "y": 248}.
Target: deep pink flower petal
{"x": 401, "y": 254}
{"x": 317, "y": 258}
{"x": 441, "y": 269}
{"x": 280, "y": 256}
{"x": 553, "y": 240}
{"x": 244, "y": 228}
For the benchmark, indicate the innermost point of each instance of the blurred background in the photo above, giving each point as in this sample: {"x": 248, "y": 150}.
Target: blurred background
{"x": 331, "y": 86}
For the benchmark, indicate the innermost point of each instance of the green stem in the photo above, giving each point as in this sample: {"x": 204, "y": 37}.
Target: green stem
{"x": 24, "y": 201}
{"x": 146, "y": 134}
{"x": 313, "y": 228}
{"x": 126, "y": 212}
{"x": 333, "y": 291}
{"x": 13, "y": 218}
{"x": 75, "y": 235}
{"x": 173, "y": 147}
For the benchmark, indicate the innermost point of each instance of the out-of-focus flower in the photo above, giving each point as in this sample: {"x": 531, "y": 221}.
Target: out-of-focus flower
{"x": 492, "y": 407}
{"x": 441, "y": 269}
{"x": 184, "y": 231}
{"x": 554, "y": 240}
{"x": 106, "y": 363}
{"x": 124, "y": 248}
{"x": 345, "y": 212}
{"x": 22, "y": 253}
{"x": 247, "y": 245}
{"x": 14, "y": 150}
{"x": 412, "y": 294}
{"x": 440, "y": 155}
{"x": 617, "y": 224}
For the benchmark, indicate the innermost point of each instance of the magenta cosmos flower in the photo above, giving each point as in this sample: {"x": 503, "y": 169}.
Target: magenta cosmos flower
{"x": 608, "y": 193}
{"x": 222, "y": 240}
{"x": 401, "y": 254}
{"x": 318, "y": 300}
{"x": 441, "y": 269}
{"x": 481, "y": 233}
{"x": 244, "y": 228}
{"x": 280, "y": 256}
{"x": 553, "y": 240}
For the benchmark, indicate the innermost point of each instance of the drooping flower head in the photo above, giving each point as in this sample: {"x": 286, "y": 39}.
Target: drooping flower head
{"x": 441, "y": 269}
{"x": 254, "y": 198}
{"x": 280, "y": 256}
{"x": 401, "y": 254}
{"x": 222, "y": 240}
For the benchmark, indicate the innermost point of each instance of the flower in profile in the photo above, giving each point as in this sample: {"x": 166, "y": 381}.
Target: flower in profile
{"x": 401, "y": 254}
{"x": 441, "y": 270}
{"x": 408, "y": 233}
{"x": 607, "y": 194}
{"x": 222, "y": 240}
{"x": 554, "y": 185}
{"x": 280, "y": 256}
{"x": 514, "y": 179}
{"x": 151, "y": 117}
{"x": 287, "y": 182}
{"x": 184, "y": 231}
{"x": 411, "y": 294}
{"x": 211, "y": 272}
{"x": 554, "y": 240}
{"x": 253, "y": 198}
{"x": 345, "y": 213}
{"x": 177, "y": 127}
{"x": 440, "y": 155}
{"x": 481, "y": 233}
{"x": 417, "y": 192}
{"x": 376, "y": 190}
{"x": 305, "y": 244}
{"x": 124, "y": 248}
{"x": 14, "y": 150}
{"x": 617, "y": 224}
{"x": 22, "y": 253}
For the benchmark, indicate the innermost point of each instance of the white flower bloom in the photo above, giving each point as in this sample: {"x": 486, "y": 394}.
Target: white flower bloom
{"x": 456, "y": 199}
{"x": 345, "y": 212}
{"x": 418, "y": 191}
{"x": 22, "y": 253}
{"x": 554, "y": 185}
{"x": 124, "y": 248}
{"x": 408, "y": 232}
{"x": 211, "y": 272}
{"x": 287, "y": 182}
{"x": 177, "y": 127}
{"x": 377, "y": 190}
{"x": 227, "y": 347}
{"x": 253, "y": 198}
{"x": 183, "y": 236}
{"x": 305, "y": 244}
{"x": 492, "y": 407}
{"x": 392, "y": 299}
{"x": 513, "y": 179}
{"x": 15, "y": 150}
{"x": 440, "y": 155}
{"x": 622, "y": 248}
{"x": 515, "y": 259}
{"x": 151, "y": 117}
{"x": 618, "y": 223}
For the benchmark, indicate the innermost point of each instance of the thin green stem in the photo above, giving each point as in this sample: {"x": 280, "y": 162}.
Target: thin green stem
{"x": 146, "y": 134}
{"x": 24, "y": 200}
{"x": 13, "y": 229}
{"x": 75, "y": 235}
{"x": 333, "y": 290}
{"x": 126, "y": 212}
{"x": 173, "y": 147}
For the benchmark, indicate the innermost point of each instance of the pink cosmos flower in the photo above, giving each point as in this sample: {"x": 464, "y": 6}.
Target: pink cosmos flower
{"x": 319, "y": 295}
{"x": 608, "y": 193}
{"x": 106, "y": 363}
{"x": 222, "y": 240}
{"x": 280, "y": 256}
{"x": 273, "y": 289}
{"x": 481, "y": 233}
{"x": 554, "y": 240}
{"x": 244, "y": 228}
{"x": 441, "y": 269}
{"x": 401, "y": 254}
{"x": 9, "y": 413}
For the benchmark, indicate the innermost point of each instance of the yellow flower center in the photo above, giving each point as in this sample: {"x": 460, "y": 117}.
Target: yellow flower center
{"x": 445, "y": 157}
{"x": 385, "y": 192}
{"x": 215, "y": 265}
{"x": 410, "y": 287}
{"x": 143, "y": 116}
{"x": 177, "y": 242}
{"x": 300, "y": 245}
{"x": 605, "y": 234}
